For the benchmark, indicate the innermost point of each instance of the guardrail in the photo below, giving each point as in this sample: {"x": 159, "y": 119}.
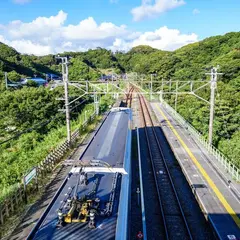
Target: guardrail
{"x": 8, "y": 207}
{"x": 224, "y": 161}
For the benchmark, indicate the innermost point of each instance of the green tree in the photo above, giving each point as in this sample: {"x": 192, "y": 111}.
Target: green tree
{"x": 14, "y": 76}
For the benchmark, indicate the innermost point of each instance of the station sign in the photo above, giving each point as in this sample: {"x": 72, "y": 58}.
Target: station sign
{"x": 32, "y": 174}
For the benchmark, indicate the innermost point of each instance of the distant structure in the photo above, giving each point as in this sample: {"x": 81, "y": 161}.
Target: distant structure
{"x": 52, "y": 77}
{"x": 38, "y": 80}
{"x": 110, "y": 77}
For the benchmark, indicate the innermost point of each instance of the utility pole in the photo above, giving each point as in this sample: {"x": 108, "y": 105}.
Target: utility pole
{"x": 161, "y": 92}
{"x": 112, "y": 83}
{"x": 213, "y": 86}
{"x": 151, "y": 85}
{"x": 151, "y": 88}
{"x": 87, "y": 86}
{"x": 96, "y": 107}
{"x": 67, "y": 109}
{"x": 176, "y": 96}
{"x": 191, "y": 87}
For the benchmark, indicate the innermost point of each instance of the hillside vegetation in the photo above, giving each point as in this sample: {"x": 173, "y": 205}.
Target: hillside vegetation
{"x": 190, "y": 63}
{"x": 31, "y": 124}
{"x": 21, "y": 109}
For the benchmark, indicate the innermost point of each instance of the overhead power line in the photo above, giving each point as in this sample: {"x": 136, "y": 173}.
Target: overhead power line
{"x": 32, "y": 128}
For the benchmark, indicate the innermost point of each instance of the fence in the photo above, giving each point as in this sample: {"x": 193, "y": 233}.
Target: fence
{"x": 8, "y": 207}
{"x": 226, "y": 163}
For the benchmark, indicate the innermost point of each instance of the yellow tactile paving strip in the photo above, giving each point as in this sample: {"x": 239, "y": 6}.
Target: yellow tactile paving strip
{"x": 203, "y": 172}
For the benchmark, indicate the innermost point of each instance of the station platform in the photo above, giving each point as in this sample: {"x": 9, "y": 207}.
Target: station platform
{"x": 111, "y": 146}
{"x": 219, "y": 201}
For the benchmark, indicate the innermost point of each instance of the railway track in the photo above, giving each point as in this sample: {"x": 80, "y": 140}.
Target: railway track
{"x": 129, "y": 97}
{"x": 168, "y": 220}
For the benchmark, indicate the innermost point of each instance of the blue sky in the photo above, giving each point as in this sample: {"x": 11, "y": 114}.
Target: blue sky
{"x": 164, "y": 24}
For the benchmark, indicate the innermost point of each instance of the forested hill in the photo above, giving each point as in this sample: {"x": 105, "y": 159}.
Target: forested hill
{"x": 18, "y": 65}
{"x": 186, "y": 63}
{"x": 190, "y": 63}
{"x": 182, "y": 64}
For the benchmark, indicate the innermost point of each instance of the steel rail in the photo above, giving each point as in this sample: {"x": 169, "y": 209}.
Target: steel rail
{"x": 154, "y": 172}
{"x": 129, "y": 96}
{"x": 146, "y": 113}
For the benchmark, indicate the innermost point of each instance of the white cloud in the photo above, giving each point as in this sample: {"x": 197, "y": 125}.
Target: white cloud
{"x": 162, "y": 38}
{"x": 28, "y": 47}
{"x": 165, "y": 39}
{"x": 195, "y": 11}
{"x": 113, "y": 1}
{"x": 21, "y": 1}
{"x": 150, "y": 10}
{"x": 41, "y": 26}
{"x": 46, "y": 35}
{"x": 51, "y": 34}
{"x": 89, "y": 30}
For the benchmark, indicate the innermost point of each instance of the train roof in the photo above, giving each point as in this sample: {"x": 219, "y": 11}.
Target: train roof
{"x": 109, "y": 147}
